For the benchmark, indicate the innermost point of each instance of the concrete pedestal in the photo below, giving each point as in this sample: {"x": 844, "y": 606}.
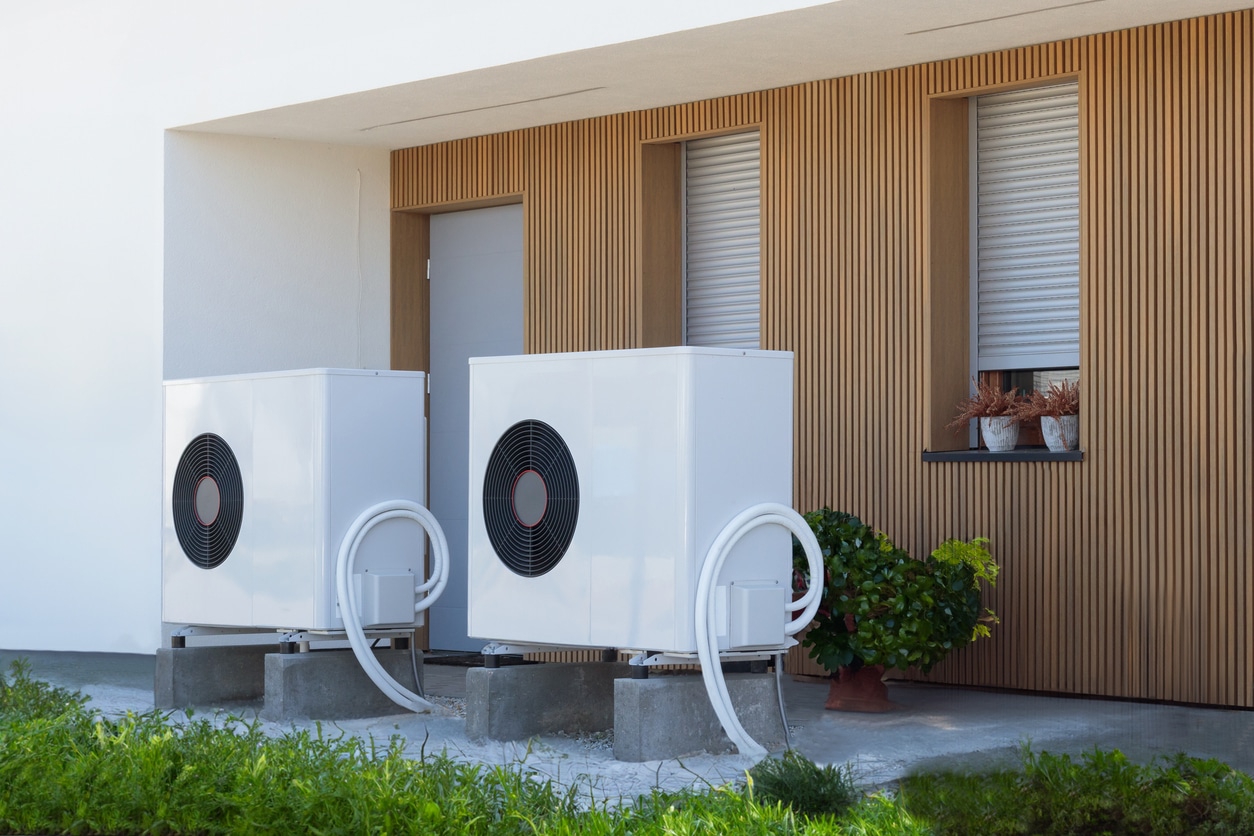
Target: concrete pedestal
{"x": 671, "y": 716}
{"x": 208, "y": 677}
{"x": 520, "y": 701}
{"x": 331, "y": 685}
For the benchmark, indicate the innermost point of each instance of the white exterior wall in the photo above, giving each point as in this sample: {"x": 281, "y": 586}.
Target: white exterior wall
{"x": 276, "y": 256}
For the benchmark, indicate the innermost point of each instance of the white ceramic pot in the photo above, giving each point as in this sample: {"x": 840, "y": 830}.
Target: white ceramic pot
{"x": 1000, "y": 433}
{"x": 1061, "y": 434}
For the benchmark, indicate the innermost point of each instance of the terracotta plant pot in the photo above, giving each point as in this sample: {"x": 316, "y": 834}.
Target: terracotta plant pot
{"x": 1061, "y": 434}
{"x": 1000, "y": 433}
{"x": 862, "y": 690}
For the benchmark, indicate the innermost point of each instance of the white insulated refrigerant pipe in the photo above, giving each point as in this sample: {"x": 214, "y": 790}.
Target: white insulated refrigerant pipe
{"x": 767, "y": 513}
{"x": 347, "y": 591}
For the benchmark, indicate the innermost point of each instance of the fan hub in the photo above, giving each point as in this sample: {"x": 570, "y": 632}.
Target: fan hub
{"x": 531, "y": 498}
{"x": 207, "y": 501}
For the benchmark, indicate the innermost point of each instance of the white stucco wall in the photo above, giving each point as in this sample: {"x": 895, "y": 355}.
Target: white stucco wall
{"x": 80, "y": 338}
{"x": 276, "y": 256}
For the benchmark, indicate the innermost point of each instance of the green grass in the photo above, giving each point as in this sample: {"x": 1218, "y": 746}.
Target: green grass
{"x": 1099, "y": 793}
{"x": 67, "y": 769}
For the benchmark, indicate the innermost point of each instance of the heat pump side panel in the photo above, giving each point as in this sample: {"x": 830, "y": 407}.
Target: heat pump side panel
{"x": 740, "y": 438}
{"x": 552, "y": 608}
{"x": 287, "y": 427}
{"x": 373, "y": 450}
{"x": 635, "y": 532}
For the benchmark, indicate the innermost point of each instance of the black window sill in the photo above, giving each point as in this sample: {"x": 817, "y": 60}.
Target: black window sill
{"x": 1024, "y": 454}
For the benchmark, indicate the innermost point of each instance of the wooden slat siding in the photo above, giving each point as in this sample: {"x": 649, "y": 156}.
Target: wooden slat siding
{"x": 660, "y": 244}
{"x": 1125, "y": 575}
{"x": 466, "y": 170}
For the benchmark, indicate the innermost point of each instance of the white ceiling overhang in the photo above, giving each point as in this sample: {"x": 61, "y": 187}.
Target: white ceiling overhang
{"x": 758, "y": 53}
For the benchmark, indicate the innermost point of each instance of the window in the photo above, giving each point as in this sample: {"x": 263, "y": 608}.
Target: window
{"x": 1025, "y": 229}
{"x": 1003, "y": 292}
{"x": 722, "y": 241}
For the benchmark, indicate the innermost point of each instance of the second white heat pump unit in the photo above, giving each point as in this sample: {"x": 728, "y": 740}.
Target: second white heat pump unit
{"x": 264, "y": 476}
{"x": 600, "y": 481}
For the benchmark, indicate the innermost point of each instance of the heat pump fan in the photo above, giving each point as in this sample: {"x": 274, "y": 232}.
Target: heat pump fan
{"x": 600, "y": 481}
{"x": 264, "y": 476}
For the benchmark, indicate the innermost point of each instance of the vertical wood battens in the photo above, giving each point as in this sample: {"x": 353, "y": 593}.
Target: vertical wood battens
{"x": 1125, "y": 575}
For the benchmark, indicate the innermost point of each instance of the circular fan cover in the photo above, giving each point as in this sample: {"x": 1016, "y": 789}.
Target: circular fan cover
{"x": 530, "y": 498}
{"x": 208, "y": 500}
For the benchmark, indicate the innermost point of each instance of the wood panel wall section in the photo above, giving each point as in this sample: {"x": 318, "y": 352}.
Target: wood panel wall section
{"x": 661, "y": 244}
{"x": 946, "y": 293}
{"x": 1128, "y": 574}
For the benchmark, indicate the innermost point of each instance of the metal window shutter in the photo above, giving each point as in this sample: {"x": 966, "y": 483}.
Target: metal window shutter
{"x": 722, "y": 260}
{"x": 1028, "y": 228}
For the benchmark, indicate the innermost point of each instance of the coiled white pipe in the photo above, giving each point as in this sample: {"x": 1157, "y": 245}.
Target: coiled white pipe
{"x": 766, "y": 513}
{"x": 433, "y": 587}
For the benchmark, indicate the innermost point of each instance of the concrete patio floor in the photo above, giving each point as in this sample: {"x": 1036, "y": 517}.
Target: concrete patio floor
{"x": 936, "y": 727}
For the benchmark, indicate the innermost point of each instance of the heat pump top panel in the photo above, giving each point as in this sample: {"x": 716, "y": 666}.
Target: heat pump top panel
{"x": 599, "y": 480}
{"x": 263, "y": 475}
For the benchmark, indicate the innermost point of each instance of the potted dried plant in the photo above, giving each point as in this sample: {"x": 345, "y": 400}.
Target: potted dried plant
{"x": 998, "y": 412}
{"x": 1059, "y": 411}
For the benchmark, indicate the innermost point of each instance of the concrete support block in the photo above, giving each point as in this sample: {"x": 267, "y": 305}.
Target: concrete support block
{"x": 331, "y": 685}
{"x": 671, "y": 716}
{"x": 520, "y": 701}
{"x": 208, "y": 677}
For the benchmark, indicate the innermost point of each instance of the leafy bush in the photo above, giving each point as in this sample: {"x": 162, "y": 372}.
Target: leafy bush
{"x": 64, "y": 769}
{"x": 883, "y": 607}
{"x": 25, "y": 698}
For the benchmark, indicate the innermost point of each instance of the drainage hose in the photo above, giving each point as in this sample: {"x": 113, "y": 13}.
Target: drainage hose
{"x": 767, "y": 513}
{"x": 347, "y": 591}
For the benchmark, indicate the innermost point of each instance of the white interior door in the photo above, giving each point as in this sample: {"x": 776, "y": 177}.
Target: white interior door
{"x": 476, "y": 311}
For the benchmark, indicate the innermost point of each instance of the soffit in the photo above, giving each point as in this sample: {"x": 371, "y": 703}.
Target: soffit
{"x": 825, "y": 41}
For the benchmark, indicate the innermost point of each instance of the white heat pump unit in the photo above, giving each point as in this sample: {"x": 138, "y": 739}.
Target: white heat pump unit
{"x": 599, "y": 482}
{"x": 264, "y": 475}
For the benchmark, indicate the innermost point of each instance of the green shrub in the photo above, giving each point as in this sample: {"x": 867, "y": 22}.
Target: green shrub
{"x": 24, "y": 698}
{"x": 883, "y": 607}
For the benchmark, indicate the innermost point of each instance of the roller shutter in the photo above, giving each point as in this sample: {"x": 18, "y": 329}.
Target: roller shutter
{"x": 1027, "y": 210}
{"x": 722, "y": 288}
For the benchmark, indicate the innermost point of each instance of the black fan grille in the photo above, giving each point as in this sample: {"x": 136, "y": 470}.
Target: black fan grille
{"x": 208, "y": 544}
{"x": 531, "y": 550}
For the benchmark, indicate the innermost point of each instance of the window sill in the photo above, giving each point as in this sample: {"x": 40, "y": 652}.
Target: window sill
{"x": 1025, "y": 454}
